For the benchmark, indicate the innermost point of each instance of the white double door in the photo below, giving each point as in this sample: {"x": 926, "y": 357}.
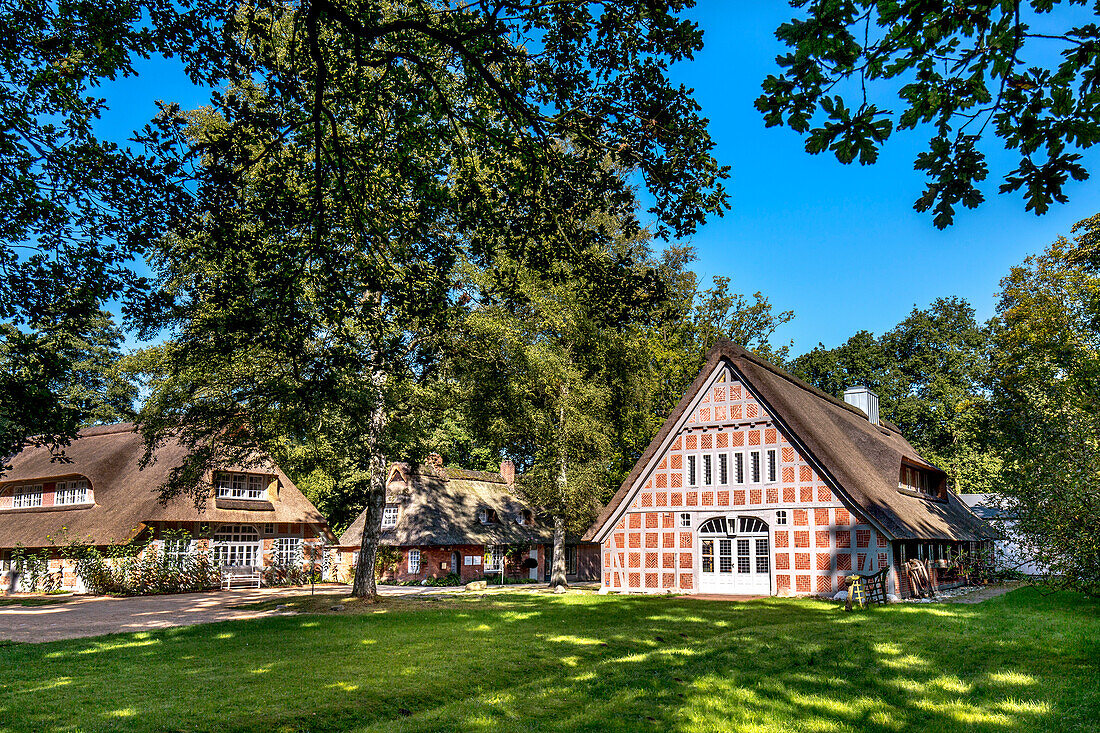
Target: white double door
{"x": 735, "y": 565}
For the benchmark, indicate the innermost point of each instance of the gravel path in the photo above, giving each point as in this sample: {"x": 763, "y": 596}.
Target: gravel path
{"x": 985, "y": 592}
{"x": 83, "y": 616}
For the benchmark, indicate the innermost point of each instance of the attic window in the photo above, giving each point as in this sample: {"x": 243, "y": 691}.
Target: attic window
{"x": 389, "y": 516}
{"x": 525, "y": 518}
{"x": 27, "y": 496}
{"x": 240, "y": 486}
{"x": 918, "y": 481}
{"x": 71, "y": 492}
{"x": 486, "y": 516}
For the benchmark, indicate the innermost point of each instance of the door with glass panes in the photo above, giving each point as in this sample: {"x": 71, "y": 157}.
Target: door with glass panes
{"x": 734, "y": 556}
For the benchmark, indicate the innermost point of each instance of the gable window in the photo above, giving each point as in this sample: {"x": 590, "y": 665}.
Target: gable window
{"x": 71, "y": 492}
{"x": 755, "y": 458}
{"x": 685, "y": 519}
{"x": 239, "y": 486}
{"x": 414, "y": 562}
{"x": 287, "y": 551}
{"x": 27, "y": 496}
{"x": 389, "y": 516}
{"x": 708, "y": 473}
{"x": 739, "y": 468}
{"x": 485, "y": 515}
{"x": 781, "y": 516}
{"x": 751, "y": 525}
{"x": 691, "y": 471}
{"x": 723, "y": 468}
{"x": 494, "y": 558}
{"x": 525, "y": 518}
{"x": 771, "y": 466}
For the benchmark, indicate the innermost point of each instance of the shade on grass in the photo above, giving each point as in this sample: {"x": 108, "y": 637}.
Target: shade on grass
{"x": 523, "y": 662}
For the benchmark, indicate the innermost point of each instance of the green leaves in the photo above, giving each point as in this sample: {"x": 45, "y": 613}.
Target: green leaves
{"x": 962, "y": 71}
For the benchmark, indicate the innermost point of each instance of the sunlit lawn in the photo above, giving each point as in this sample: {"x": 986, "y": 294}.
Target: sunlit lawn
{"x": 522, "y": 662}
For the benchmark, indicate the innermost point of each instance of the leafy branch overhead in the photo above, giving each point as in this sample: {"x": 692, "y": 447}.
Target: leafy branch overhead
{"x": 1021, "y": 73}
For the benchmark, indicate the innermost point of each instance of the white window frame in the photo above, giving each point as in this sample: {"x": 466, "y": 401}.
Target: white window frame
{"x": 723, "y": 469}
{"x": 494, "y": 558}
{"x": 68, "y": 493}
{"x": 691, "y": 471}
{"x": 771, "y": 459}
{"x": 739, "y": 468}
{"x": 27, "y": 496}
{"x": 177, "y": 548}
{"x": 781, "y": 518}
{"x": 755, "y": 469}
{"x": 235, "y": 485}
{"x": 237, "y": 545}
{"x": 414, "y": 562}
{"x": 685, "y": 519}
{"x": 389, "y": 516}
{"x": 708, "y": 470}
{"x": 287, "y": 551}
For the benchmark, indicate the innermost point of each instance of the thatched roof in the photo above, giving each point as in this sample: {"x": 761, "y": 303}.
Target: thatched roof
{"x": 126, "y": 496}
{"x": 860, "y": 460}
{"x": 440, "y": 507}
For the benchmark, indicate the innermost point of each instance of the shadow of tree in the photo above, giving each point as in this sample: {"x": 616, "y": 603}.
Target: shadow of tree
{"x": 527, "y": 662}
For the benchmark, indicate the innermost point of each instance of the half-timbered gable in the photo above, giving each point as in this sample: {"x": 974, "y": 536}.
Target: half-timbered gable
{"x": 731, "y": 496}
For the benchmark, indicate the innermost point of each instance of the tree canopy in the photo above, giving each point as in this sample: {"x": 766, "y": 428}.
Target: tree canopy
{"x": 1024, "y": 74}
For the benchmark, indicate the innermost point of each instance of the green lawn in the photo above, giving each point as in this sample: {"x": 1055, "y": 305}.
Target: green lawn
{"x": 524, "y": 662}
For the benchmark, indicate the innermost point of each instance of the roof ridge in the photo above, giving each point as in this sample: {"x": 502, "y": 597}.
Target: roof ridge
{"x": 107, "y": 429}
{"x": 803, "y": 384}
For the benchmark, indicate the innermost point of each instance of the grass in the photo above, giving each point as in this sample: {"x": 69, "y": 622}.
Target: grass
{"x": 527, "y": 662}
{"x": 51, "y": 600}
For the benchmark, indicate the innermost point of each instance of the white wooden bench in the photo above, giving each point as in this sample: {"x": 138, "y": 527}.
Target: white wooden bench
{"x": 240, "y": 576}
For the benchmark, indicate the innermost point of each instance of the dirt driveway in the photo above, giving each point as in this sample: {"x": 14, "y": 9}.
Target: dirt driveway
{"x": 95, "y": 615}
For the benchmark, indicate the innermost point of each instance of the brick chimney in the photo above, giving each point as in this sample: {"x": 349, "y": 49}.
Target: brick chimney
{"x": 508, "y": 471}
{"x": 435, "y": 461}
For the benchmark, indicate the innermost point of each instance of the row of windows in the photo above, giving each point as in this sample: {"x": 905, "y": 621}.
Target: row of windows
{"x": 66, "y": 493}
{"x": 494, "y": 560}
{"x": 714, "y": 469}
{"x": 484, "y": 516}
{"x": 238, "y": 544}
{"x": 748, "y": 524}
{"x": 914, "y": 479}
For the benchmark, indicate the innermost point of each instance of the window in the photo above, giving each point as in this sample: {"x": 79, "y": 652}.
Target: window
{"x": 708, "y": 473}
{"x": 685, "y": 519}
{"x": 486, "y": 515}
{"x": 389, "y": 516}
{"x": 71, "y": 492}
{"x": 739, "y": 467}
{"x": 570, "y": 559}
{"x": 755, "y": 457}
{"x": 176, "y": 549}
{"x": 287, "y": 551}
{"x": 237, "y": 545}
{"x": 708, "y": 556}
{"x": 725, "y": 555}
{"x": 494, "y": 559}
{"x": 691, "y": 471}
{"x": 762, "y": 556}
{"x": 781, "y": 517}
{"x": 717, "y": 525}
{"x": 414, "y": 562}
{"x": 771, "y": 465}
{"x": 526, "y": 518}
{"x": 239, "y": 486}
{"x": 27, "y": 496}
{"x": 723, "y": 468}
{"x": 744, "y": 564}
{"x": 918, "y": 480}
{"x": 751, "y": 525}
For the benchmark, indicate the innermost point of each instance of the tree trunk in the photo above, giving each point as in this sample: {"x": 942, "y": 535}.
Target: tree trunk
{"x": 557, "y": 568}
{"x": 364, "y": 586}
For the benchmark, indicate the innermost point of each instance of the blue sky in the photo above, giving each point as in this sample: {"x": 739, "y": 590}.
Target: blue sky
{"x": 839, "y": 245}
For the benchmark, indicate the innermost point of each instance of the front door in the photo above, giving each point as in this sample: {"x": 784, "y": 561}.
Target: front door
{"x": 456, "y": 565}
{"x": 734, "y": 556}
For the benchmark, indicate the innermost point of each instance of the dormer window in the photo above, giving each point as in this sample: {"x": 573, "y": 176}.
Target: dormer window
{"x": 240, "y": 486}
{"x": 389, "y": 516}
{"x": 486, "y": 515}
{"x": 71, "y": 492}
{"x": 918, "y": 481}
{"x": 27, "y": 496}
{"x": 526, "y": 518}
